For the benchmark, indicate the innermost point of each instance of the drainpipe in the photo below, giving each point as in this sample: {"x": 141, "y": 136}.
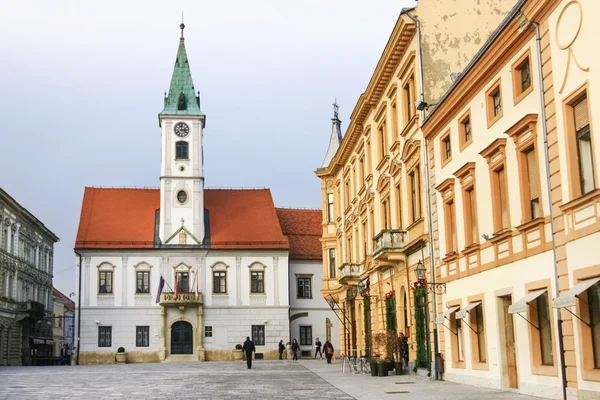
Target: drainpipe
{"x": 428, "y": 194}
{"x": 78, "y": 309}
{"x": 561, "y": 345}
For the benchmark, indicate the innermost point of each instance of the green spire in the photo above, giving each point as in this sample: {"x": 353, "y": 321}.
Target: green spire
{"x": 182, "y": 99}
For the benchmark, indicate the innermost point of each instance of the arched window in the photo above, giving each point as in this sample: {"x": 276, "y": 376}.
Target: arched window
{"x": 181, "y": 150}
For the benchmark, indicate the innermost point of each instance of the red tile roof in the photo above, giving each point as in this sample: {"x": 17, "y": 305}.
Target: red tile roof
{"x": 69, "y": 304}
{"x": 124, "y": 218}
{"x": 304, "y": 229}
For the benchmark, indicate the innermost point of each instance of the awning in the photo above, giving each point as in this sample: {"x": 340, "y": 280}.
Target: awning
{"x": 37, "y": 341}
{"x": 463, "y": 313}
{"x": 567, "y": 299}
{"x": 446, "y": 314}
{"x": 521, "y": 305}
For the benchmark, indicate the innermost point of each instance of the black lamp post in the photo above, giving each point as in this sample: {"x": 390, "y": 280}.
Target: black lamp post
{"x": 421, "y": 273}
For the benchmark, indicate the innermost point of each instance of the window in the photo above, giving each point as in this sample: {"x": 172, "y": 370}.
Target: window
{"x": 104, "y": 336}
{"x": 347, "y": 193}
{"x": 368, "y": 157}
{"x": 409, "y": 100}
{"x": 304, "y": 287}
{"x": 305, "y": 335}
{"x": 394, "y": 112}
{"x": 451, "y": 240}
{"x": 521, "y": 77}
{"x": 544, "y": 329}
{"x": 258, "y": 335}
{"x": 182, "y": 197}
{"x": 478, "y": 344}
{"x": 593, "y": 300}
{"x": 257, "y": 282}
{"x": 532, "y": 184}
{"x": 208, "y": 331}
{"x": 382, "y": 142}
{"x": 465, "y": 134}
{"x": 142, "y": 282}
{"x": 331, "y": 263}
{"x": 470, "y": 200}
{"x": 365, "y": 236}
{"x": 415, "y": 194}
{"x": 494, "y": 103}
{"x": 361, "y": 171}
{"x": 446, "y": 148}
{"x": 142, "y": 336}
{"x": 219, "y": 282}
{"x": 584, "y": 144}
{"x": 467, "y": 129}
{"x": 349, "y": 249}
{"x": 183, "y": 281}
{"x": 386, "y": 217}
{"x": 4, "y": 241}
{"x": 501, "y": 216}
{"x": 330, "y": 213}
{"x": 460, "y": 345}
{"x": 181, "y": 150}
{"x": 105, "y": 283}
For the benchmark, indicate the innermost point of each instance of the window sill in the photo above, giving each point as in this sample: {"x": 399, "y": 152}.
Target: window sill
{"x": 257, "y": 293}
{"x": 182, "y": 159}
{"x": 581, "y": 200}
{"x": 143, "y": 294}
{"x": 464, "y": 145}
{"x": 544, "y": 370}
{"x": 452, "y": 256}
{"x": 523, "y": 94}
{"x": 472, "y": 248}
{"x": 495, "y": 119}
{"x": 481, "y": 366}
{"x": 303, "y": 298}
{"x": 534, "y": 223}
{"x": 499, "y": 236}
{"x": 445, "y": 161}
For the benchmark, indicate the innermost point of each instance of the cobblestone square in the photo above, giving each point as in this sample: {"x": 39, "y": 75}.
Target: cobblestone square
{"x": 307, "y": 379}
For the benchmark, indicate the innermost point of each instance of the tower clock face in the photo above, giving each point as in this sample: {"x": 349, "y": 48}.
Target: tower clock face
{"x": 181, "y": 129}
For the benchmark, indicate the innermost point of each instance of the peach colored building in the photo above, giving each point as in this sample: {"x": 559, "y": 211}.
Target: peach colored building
{"x": 514, "y": 168}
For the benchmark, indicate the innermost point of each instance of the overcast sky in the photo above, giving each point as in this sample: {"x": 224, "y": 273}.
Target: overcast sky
{"x": 82, "y": 83}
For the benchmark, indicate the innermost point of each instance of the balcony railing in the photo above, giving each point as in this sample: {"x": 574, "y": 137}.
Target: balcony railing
{"x": 389, "y": 240}
{"x": 181, "y": 298}
{"x": 350, "y": 271}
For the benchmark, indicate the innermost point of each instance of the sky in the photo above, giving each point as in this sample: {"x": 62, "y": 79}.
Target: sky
{"x": 83, "y": 83}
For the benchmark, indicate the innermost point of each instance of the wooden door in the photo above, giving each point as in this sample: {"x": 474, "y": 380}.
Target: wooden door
{"x": 510, "y": 351}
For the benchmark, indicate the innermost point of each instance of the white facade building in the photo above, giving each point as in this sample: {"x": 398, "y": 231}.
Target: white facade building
{"x": 221, "y": 253}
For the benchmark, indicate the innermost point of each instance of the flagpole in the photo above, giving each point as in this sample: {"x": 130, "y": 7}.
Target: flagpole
{"x": 167, "y": 283}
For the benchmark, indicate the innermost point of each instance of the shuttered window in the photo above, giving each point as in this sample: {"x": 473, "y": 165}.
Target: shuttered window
{"x": 533, "y": 182}
{"x": 472, "y": 210}
{"x": 502, "y": 200}
{"x": 584, "y": 144}
{"x": 593, "y": 295}
{"x": 544, "y": 329}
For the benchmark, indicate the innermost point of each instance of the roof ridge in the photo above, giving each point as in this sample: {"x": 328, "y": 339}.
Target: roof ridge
{"x": 236, "y": 188}
{"x": 124, "y": 187}
{"x": 298, "y": 209}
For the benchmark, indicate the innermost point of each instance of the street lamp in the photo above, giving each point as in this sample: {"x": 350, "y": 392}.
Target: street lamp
{"x": 421, "y": 274}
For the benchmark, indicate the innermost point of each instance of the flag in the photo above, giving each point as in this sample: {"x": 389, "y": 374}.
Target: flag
{"x": 176, "y": 286}
{"x": 161, "y": 285}
{"x": 196, "y": 286}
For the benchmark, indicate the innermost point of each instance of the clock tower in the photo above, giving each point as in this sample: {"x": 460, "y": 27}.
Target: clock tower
{"x": 181, "y": 175}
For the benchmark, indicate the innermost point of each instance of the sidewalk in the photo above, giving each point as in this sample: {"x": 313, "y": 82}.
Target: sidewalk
{"x": 366, "y": 387}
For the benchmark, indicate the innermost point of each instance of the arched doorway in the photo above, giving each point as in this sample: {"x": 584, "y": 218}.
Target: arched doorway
{"x": 182, "y": 338}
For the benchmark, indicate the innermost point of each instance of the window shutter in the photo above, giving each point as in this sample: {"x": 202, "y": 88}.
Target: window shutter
{"x": 472, "y": 208}
{"x": 532, "y": 174}
{"x": 503, "y": 200}
{"x": 582, "y": 118}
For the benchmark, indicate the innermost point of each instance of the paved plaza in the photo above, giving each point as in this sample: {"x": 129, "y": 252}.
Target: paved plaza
{"x": 306, "y": 379}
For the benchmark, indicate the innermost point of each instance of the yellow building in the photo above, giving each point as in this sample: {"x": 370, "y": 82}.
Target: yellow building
{"x": 514, "y": 164}
{"x": 376, "y": 225}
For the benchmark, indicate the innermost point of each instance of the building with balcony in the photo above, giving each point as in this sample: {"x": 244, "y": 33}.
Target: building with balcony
{"x": 186, "y": 273}
{"x": 26, "y": 265}
{"x": 377, "y": 221}
{"x": 515, "y": 176}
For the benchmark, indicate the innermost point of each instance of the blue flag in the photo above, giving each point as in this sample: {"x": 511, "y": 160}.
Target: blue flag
{"x": 161, "y": 285}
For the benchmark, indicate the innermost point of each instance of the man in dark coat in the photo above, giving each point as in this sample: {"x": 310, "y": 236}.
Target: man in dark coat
{"x": 248, "y": 348}
{"x": 328, "y": 350}
{"x": 281, "y": 349}
{"x": 295, "y": 349}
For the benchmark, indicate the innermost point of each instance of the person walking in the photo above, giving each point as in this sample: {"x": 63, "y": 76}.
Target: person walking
{"x": 295, "y": 349}
{"x": 318, "y": 345}
{"x": 281, "y": 349}
{"x": 328, "y": 350}
{"x": 69, "y": 354}
{"x": 248, "y": 348}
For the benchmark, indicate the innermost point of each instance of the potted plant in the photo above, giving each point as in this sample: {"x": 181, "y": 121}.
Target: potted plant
{"x": 237, "y": 352}
{"x": 401, "y": 353}
{"x": 121, "y": 355}
{"x": 382, "y": 367}
{"x": 374, "y": 363}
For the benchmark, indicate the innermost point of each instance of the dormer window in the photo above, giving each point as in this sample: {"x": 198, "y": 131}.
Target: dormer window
{"x": 181, "y": 103}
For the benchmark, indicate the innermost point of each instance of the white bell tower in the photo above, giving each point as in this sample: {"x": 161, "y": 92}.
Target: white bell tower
{"x": 181, "y": 175}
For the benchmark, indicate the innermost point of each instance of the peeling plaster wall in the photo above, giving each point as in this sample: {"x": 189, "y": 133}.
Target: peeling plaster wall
{"x": 452, "y": 33}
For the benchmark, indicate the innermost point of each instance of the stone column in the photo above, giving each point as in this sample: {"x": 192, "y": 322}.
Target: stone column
{"x": 162, "y": 352}
{"x": 200, "y": 333}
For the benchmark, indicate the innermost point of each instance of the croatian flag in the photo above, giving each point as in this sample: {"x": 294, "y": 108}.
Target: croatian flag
{"x": 161, "y": 285}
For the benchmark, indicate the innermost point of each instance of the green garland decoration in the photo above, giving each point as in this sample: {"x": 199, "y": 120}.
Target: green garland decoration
{"x": 367, "y": 319}
{"x": 390, "y": 313}
{"x": 419, "y": 296}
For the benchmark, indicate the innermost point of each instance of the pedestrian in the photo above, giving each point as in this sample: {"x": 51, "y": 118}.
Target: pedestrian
{"x": 318, "y": 348}
{"x": 295, "y": 349}
{"x": 61, "y": 360}
{"x": 248, "y": 348}
{"x": 281, "y": 349}
{"x": 69, "y": 355}
{"x": 328, "y": 350}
